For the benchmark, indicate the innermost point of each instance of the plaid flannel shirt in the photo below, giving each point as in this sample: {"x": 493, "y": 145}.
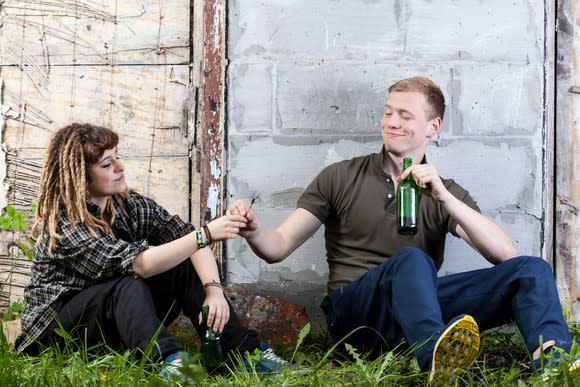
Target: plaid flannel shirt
{"x": 80, "y": 260}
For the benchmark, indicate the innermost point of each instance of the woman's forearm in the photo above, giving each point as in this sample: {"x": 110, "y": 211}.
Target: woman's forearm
{"x": 158, "y": 259}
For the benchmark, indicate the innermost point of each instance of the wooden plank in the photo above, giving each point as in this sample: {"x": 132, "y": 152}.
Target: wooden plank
{"x": 43, "y": 33}
{"x": 164, "y": 179}
{"x": 145, "y": 104}
{"x": 11, "y": 330}
{"x": 549, "y": 161}
{"x": 567, "y": 182}
{"x": 125, "y": 65}
{"x": 14, "y": 270}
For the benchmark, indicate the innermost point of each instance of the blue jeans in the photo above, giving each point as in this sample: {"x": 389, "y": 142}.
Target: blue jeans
{"x": 405, "y": 301}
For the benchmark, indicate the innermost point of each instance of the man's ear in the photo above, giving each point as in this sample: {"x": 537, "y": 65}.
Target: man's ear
{"x": 434, "y": 127}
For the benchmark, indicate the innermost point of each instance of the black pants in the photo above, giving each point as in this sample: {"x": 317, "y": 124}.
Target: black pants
{"x": 128, "y": 313}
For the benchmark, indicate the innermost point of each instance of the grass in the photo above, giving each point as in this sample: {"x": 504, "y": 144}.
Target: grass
{"x": 503, "y": 361}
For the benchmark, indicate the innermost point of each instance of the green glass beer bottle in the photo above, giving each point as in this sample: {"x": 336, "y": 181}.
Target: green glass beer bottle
{"x": 407, "y": 203}
{"x": 212, "y": 351}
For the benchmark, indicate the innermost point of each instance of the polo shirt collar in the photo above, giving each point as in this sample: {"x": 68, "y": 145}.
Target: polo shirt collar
{"x": 377, "y": 159}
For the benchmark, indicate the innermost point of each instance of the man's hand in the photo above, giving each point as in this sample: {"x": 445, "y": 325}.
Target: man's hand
{"x": 244, "y": 209}
{"x": 428, "y": 181}
{"x": 478, "y": 231}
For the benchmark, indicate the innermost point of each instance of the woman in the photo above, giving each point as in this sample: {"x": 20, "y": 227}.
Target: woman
{"x": 113, "y": 266}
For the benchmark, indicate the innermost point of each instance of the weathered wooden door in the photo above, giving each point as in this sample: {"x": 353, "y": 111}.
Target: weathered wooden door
{"x": 567, "y": 156}
{"x": 135, "y": 66}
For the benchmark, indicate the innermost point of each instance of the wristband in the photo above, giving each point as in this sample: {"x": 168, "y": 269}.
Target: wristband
{"x": 201, "y": 243}
{"x": 207, "y": 234}
{"x": 213, "y": 283}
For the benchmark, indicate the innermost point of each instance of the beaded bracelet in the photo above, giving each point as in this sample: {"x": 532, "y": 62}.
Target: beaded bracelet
{"x": 207, "y": 234}
{"x": 201, "y": 243}
{"x": 213, "y": 283}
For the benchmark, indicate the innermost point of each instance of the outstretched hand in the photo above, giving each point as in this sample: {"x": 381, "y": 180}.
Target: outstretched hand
{"x": 244, "y": 209}
{"x": 226, "y": 227}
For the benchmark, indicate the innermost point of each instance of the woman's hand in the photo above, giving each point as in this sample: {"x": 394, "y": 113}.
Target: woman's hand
{"x": 243, "y": 208}
{"x": 226, "y": 227}
{"x": 219, "y": 309}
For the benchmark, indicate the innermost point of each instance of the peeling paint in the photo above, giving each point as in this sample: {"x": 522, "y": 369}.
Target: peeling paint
{"x": 215, "y": 169}
{"x": 213, "y": 200}
{"x": 217, "y": 22}
{"x": 212, "y": 96}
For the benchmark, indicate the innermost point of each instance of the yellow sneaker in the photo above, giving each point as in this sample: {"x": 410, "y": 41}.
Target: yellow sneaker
{"x": 455, "y": 351}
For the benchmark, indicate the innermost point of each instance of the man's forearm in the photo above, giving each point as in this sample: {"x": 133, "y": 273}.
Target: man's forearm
{"x": 482, "y": 233}
{"x": 268, "y": 245}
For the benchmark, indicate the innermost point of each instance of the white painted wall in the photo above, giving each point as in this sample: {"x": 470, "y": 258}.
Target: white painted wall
{"x": 306, "y": 85}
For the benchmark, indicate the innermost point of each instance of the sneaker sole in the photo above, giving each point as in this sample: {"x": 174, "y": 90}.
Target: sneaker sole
{"x": 454, "y": 352}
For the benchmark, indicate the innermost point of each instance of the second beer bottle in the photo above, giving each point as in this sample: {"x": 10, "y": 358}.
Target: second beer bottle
{"x": 212, "y": 352}
{"x": 407, "y": 203}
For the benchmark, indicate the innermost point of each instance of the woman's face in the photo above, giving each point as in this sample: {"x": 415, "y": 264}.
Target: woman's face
{"x": 106, "y": 177}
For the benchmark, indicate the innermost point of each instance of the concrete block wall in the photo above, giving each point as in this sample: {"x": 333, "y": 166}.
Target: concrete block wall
{"x": 306, "y": 85}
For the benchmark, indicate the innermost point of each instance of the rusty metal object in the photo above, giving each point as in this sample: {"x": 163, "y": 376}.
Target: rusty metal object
{"x": 277, "y": 321}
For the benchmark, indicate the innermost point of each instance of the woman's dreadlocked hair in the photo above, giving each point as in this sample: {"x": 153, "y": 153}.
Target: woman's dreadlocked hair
{"x": 63, "y": 185}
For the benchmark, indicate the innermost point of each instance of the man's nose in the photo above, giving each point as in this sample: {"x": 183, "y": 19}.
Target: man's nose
{"x": 392, "y": 121}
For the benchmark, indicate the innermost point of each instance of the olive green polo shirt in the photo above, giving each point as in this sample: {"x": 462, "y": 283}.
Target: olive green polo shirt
{"x": 355, "y": 200}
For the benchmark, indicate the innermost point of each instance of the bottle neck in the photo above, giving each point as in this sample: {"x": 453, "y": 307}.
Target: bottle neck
{"x": 204, "y": 314}
{"x": 407, "y": 162}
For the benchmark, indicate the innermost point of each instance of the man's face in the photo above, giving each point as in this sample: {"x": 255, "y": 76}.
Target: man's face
{"x": 106, "y": 177}
{"x": 405, "y": 126}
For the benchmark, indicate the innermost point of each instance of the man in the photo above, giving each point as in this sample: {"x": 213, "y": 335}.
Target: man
{"x": 388, "y": 281}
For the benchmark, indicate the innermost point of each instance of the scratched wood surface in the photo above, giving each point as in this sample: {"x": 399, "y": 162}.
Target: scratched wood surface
{"x": 59, "y": 32}
{"x": 125, "y": 65}
{"x": 567, "y": 198}
{"x": 145, "y": 104}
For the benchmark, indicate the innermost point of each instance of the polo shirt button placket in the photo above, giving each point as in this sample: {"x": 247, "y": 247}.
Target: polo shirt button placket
{"x": 389, "y": 195}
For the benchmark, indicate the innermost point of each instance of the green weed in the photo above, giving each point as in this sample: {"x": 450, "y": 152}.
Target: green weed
{"x": 503, "y": 361}
{"x": 15, "y": 220}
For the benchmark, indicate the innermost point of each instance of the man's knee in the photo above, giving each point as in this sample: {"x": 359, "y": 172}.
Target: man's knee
{"x": 408, "y": 264}
{"x": 530, "y": 264}
{"x": 413, "y": 257}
